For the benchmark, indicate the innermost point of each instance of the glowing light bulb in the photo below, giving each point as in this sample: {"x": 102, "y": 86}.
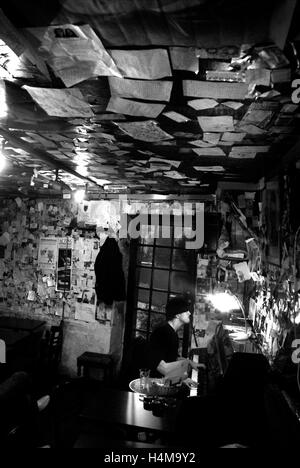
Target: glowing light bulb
{"x": 224, "y": 302}
{"x": 79, "y": 195}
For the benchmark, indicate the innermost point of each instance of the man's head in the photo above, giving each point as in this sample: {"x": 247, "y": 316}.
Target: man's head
{"x": 178, "y": 307}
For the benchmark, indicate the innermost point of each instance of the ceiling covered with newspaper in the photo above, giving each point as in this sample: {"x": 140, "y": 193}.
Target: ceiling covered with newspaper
{"x": 149, "y": 96}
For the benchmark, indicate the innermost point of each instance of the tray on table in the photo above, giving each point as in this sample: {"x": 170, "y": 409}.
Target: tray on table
{"x": 157, "y": 387}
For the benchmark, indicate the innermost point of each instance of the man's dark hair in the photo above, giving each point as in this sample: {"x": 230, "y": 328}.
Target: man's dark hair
{"x": 175, "y": 306}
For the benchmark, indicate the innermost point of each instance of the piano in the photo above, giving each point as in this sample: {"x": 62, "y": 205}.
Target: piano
{"x": 199, "y": 356}
{"x": 215, "y": 355}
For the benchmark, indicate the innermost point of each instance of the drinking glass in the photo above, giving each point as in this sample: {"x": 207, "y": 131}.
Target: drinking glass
{"x": 144, "y": 379}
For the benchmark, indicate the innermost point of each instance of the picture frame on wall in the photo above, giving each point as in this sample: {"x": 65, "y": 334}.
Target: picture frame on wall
{"x": 271, "y": 220}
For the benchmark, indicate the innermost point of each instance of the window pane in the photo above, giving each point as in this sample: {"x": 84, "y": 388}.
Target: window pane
{"x": 148, "y": 234}
{"x": 165, "y": 235}
{"x": 179, "y": 243}
{"x": 145, "y": 255}
{"x": 144, "y": 277}
{"x": 156, "y": 319}
{"x": 183, "y": 259}
{"x": 182, "y": 235}
{"x": 141, "y": 320}
{"x": 160, "y": 279}
{"x": 162, "y": 257}
{"x": 159, "y": 300}
{"x": 181, "y": 282}
{"x": 143, "y": 299}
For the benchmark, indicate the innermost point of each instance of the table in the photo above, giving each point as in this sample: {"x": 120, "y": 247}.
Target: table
{"x": 23, "y": 324}
{"x": 122, "y": 408}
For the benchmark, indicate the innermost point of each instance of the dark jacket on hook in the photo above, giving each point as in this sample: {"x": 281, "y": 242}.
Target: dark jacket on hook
{"x": 110, "y": 280}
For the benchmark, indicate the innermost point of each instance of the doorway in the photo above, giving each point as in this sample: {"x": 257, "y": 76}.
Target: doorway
{"x": 160, "y": 268}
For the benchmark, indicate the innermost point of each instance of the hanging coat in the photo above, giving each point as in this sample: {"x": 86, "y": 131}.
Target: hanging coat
{"x": 110, "y": 279}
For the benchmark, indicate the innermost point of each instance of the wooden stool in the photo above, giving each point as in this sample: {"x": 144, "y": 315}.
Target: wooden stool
{"x": 89, "y": 360}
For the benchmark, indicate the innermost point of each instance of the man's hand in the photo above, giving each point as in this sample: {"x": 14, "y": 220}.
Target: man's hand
{"x": 196, "y": 365}
{"x": 190, "y": 383}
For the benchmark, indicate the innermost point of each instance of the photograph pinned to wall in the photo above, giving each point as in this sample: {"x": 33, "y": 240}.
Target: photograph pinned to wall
{"x": 48, "y": 278}
{"x": 77, "y": 260}
{"x": 88, "y": 297}
{"x": 89, "y": 254}
{"x": 86, "y": 306}
{"x": 103, "y": 313}
{"x": 84, "y": 254}
{"x": 47, "y": 254}
{"x": 64, "y": 265}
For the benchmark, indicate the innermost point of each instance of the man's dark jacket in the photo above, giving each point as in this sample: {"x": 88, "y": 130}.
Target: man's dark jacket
{"x": 110, "y": 280}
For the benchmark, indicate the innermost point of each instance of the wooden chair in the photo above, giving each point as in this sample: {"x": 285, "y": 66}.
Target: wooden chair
{"x": 90, "y": 360}
{"x": 51, "y": 354}
{"x": 55, "y": 346}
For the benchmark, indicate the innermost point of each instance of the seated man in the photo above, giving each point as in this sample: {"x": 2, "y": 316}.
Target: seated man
{"x": 163, "y": 359}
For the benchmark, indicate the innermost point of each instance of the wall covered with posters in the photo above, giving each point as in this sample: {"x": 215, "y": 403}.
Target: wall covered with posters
{"x": 258, "y": 260}
{"x": 47, "y": 255}
{"x": 47, "y": 252}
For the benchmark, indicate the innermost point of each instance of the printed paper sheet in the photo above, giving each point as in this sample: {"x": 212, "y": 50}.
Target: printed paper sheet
{"x": 60, "y": 102}
{"x": 205, "y": 89}
{"x": 134, "y": 108}
{"x": 139, "y": 89}
{"x": 184, "y": 58}
{"x": 145, "y": 131}
{"x": 151, "y": 64}
{"x": 221, "y": 123}
{"x": 76, "y": 53}
{"x": 47, "y": 255}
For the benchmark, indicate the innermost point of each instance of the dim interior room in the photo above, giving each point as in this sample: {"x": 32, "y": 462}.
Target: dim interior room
{"x": 149, "y": 190}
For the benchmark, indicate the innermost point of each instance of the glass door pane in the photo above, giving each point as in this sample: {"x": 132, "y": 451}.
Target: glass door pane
{"x": 161, "y": 279}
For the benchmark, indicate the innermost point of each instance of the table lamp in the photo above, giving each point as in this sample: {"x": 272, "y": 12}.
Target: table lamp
{"x": 225, "y": 302}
